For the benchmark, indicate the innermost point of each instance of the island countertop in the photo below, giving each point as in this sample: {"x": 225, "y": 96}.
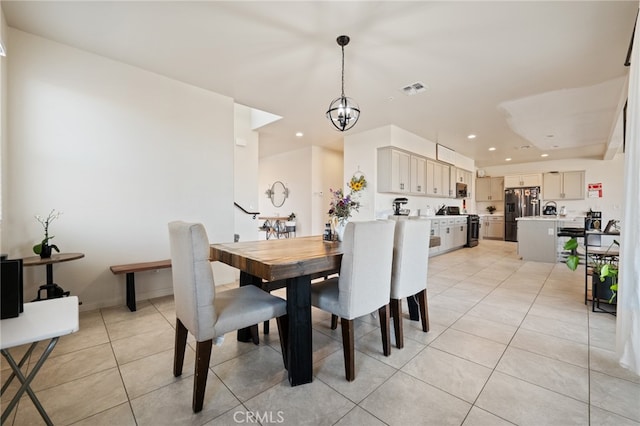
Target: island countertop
{"x": 579, "y": 219}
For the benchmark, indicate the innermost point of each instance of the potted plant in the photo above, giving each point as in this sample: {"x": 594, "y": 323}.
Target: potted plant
{"x": 44, "y": 248}
{"x": 491, "y": 209}
{"x": 603, "y": 266}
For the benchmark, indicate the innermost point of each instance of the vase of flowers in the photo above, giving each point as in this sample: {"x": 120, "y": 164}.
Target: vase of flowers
{"x": 44, "y": 249}
{"x": 343, "y": 205}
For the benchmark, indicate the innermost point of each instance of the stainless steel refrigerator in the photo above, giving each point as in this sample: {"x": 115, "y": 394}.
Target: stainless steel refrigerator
{"x": 519, "y": 202}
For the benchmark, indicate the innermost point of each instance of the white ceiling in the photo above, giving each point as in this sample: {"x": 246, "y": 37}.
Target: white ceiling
{"x": 551, "y": 71}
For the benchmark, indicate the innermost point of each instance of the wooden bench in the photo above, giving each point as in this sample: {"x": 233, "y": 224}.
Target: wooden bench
{"x": 130, "y": 269}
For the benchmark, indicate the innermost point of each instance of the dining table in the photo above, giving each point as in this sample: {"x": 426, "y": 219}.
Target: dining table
{"x": 295, "y": 261}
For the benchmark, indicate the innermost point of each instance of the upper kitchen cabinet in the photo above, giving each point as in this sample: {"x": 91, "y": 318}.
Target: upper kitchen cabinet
{"x": 401, "y": 172}
{"x": 463, "y": 176}
{"x": 460, "y": 176}
{"x": 418, "y": 175}
{"x": 438, "y": 179}
{"x": 563, "y": 186}
{"x": 517, "y": 181}
{"x": 490, "y": 189}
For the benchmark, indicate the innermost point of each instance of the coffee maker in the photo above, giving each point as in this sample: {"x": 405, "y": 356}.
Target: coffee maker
{"x": 397, "y": 207}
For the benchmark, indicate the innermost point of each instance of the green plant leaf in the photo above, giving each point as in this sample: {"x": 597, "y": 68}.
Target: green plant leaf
{"x": 571, "y": 244}
{"x": 37, "y": 249}
{"x": 55, "y": 247}
{"x": 572, "y": 262}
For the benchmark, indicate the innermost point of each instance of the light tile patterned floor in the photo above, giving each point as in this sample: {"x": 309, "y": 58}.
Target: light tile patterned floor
{"x": 511, "y": 342}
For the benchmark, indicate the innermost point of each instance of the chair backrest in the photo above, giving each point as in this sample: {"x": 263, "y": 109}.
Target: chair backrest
{"x": 410, "y": 257}
{"x": 365, "y": 271}
{"x": 193, "y": 284}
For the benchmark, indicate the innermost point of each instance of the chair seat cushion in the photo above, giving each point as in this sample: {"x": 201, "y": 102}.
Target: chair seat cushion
{"x": 245, "y": 306}
{"x": 325, "y": 295}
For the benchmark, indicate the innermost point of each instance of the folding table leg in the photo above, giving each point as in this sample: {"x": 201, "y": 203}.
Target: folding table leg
{"x": 26, "y": 381}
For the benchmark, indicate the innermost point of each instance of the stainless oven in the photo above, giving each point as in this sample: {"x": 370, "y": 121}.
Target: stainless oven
{"x": 473, "y": 230}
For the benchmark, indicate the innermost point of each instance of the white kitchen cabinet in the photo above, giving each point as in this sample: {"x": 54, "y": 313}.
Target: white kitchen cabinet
{"x": 394, "y": 170}
{"x": 460, "y": 232}
{"x": 438, "y": 177}
{"x": 517, "y": 181}
{"x": 490, "y": 189}
{"x": 493, "y": 227}
{"x": 463, "y": 176}
{"x": 563, "y": 185}
{"x": 435, "y": 232}
{"x": 460, "y": 176}
{"x": 447, "y": 233}
{"x": 418, "y": 175}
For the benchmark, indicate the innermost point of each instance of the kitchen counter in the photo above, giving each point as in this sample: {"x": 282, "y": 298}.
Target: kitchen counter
{"x": 579, "y": 219}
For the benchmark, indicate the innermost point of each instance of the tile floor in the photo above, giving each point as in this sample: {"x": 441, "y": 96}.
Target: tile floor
{"x": 511, "y": 342}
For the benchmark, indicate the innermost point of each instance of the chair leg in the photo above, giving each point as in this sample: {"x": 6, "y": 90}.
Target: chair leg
{"x": 424, "y": 309}
{"x": 179, "y": 348}
{"x": 334, "y": 322}
{"x": 203, "y": 355}
{"x": 283, "y": 332}
{"x": 254, "y": 334}
{"x": 266, "y": 327}
{"x": 348, "y": 349}
{"x": 396, "y": 314}
{"x": 383, "y": 313}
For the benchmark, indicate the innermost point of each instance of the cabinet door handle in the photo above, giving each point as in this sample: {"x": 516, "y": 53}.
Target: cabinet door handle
{"x": 435, "y": 190}
{"x": 419, "y": 188}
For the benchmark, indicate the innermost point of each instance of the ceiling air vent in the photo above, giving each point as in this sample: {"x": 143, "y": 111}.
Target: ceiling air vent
{"x": 414, "y": 88}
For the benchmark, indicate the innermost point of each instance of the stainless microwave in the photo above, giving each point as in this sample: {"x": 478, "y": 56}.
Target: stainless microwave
{"x": 461, "y": 190}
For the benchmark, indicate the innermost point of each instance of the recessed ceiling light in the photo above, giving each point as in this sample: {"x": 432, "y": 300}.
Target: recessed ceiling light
{"x": 507, "y": 159}
{"x": 544, "y": 155}
{"x": 299, "y": 134}
{"x": 493, "y": 148}
{"x": 471, "y": 136}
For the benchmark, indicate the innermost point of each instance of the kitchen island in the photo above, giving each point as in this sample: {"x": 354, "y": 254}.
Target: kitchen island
{"x": 538, "y": 236}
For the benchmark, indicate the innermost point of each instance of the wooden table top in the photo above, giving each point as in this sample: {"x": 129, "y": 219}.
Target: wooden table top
{"x": 279, "y": 259}
{"x": 55, "y": 258}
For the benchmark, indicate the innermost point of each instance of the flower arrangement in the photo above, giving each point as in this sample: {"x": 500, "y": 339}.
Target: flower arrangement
{"x": 491, "y": 209}
{"x": 357, "y": 184}
{"x": 44, "y": 248}
{"x": 342, "y": 206}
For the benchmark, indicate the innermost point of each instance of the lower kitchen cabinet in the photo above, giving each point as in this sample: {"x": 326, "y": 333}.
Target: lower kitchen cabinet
{"x": 493, "y": 227}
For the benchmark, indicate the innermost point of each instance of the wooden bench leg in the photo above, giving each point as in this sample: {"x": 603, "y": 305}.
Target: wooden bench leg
{"x": 131, "y": 292}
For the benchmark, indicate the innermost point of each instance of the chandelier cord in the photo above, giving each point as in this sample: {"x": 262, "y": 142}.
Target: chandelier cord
{"x": 342, "y": 71}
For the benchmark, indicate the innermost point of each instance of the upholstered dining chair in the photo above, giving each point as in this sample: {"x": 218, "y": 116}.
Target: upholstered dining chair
{"x": 208, "y": 314}
{"x": 363, "y": 284}
{"x": 409, "y": 272}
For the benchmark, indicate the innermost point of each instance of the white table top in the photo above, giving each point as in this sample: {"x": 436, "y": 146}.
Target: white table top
{"x": 39, "y": 321}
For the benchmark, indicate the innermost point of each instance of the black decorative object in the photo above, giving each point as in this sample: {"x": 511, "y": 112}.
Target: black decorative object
{"x": 343, "y": 112}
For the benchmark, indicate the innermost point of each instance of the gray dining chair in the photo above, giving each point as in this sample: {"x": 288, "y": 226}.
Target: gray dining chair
{"x": 206, "y": 313}
{"x": 409, "y": 272}
{"x": 363, "y": 284}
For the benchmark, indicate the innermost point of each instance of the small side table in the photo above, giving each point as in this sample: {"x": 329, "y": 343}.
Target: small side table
{"x": 53, "y": 289}
{"x": 40, "y": 321}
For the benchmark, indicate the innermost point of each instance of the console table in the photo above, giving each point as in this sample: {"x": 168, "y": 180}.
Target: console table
{"x": 48, "y": 319}
{"x": 53, "y": 289}
{"x": 275, "y": 226}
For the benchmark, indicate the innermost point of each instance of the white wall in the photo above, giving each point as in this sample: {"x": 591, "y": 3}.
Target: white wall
{"x": 608, "y": 172}
{"x": 327, "y": 174}
{"x": 121, "y": 152}
{"x": 4, "y": 31}
{"x": 309, "y": 173}
{"x": 246, "y": 189}
{"x": 360, "y": 153}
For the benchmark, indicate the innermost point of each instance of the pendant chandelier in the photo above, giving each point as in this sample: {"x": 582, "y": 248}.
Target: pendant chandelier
{"x": 343, "y": 112}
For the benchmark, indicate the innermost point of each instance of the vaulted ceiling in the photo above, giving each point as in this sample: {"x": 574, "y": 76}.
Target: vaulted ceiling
{"x": 528, "y": 78}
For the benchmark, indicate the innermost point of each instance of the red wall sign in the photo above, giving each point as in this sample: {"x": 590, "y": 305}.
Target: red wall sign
{"x": 595, "y": 190}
